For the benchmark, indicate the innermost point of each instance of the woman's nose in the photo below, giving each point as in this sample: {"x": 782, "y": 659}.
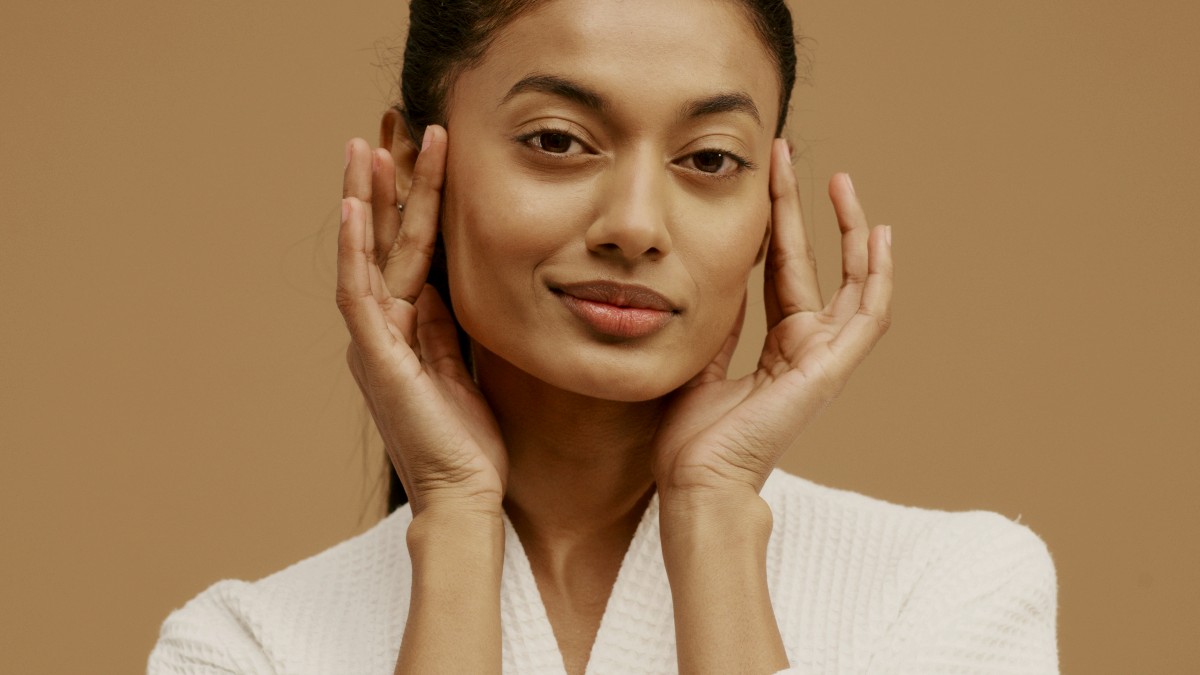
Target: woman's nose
{"x": 632, "y": 219}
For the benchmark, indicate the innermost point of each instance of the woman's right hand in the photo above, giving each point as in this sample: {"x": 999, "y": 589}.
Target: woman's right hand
{"x": 437, "y": 427}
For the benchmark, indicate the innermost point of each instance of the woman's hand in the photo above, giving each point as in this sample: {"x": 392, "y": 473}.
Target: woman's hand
{"x": 720, "y": 438}
{"x": 723, "y": 435}
{"x": 439, "y": 432}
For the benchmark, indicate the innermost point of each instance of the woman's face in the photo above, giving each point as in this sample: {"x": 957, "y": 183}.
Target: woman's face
{"x": 607, "y": 190}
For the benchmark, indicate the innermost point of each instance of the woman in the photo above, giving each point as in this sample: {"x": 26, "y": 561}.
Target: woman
{"x": 586, "y": 489}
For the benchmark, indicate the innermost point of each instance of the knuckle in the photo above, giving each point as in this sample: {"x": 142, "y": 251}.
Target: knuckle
{"x": 345, "y": 301}
{"x": 882, "y": 319}
{"x": 426, "y": 182}
{"x": 853, "y": 277}
{"x": 405, "y": 241}
{"x": 791, "y": 308}
{"x": 781, "y": 259}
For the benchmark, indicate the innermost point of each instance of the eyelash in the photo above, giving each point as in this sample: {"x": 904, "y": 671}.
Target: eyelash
{"x": 742, "y": 163}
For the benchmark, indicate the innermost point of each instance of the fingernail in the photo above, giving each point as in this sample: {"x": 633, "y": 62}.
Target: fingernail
{"x": 428, "y": 135}
{"x": 887, "y": 235}
{"x": 374, "y": 162}
{"x": 349, "y": 149}
{"x": 851, "y": 184}
{"x": 345, "y": 210}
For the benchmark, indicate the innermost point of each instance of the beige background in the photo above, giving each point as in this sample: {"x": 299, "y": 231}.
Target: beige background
{"x": 174, "y": 406}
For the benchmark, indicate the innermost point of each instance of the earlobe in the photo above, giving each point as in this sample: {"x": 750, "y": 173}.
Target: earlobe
{"x": 393, "y": 136}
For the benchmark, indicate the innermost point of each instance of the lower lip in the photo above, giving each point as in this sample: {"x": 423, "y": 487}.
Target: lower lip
{"x": 614, "y": 321}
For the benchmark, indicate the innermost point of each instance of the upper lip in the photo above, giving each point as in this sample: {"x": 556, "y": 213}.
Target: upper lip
{"x": 618, "y": 294}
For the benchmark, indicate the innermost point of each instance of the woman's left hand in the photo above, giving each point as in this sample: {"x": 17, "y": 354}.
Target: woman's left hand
{"x": 721, "y": 435}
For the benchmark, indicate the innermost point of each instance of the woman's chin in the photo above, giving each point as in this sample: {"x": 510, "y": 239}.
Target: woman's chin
{"x": 618, "y": 379}
{"x": 620, "y": 389}
{"x": 626, "y": 376}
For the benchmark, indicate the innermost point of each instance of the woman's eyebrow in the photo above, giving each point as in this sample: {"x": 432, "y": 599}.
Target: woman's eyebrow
{"x": 736, "y": 102}
{"x": 557, "y": 86}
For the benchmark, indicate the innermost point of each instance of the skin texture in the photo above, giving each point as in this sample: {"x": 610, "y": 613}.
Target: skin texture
{"x": 567, "y": 431}
{"x": 629, "y": 186}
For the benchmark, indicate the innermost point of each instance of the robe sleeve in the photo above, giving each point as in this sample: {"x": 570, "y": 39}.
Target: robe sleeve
{"x": 985, "y": 603}
{"x": 210, "y": 635}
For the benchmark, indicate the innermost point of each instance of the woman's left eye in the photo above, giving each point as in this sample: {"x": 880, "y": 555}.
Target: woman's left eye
{"x": 553, "y": 142}
{"x": 715, "y": 162}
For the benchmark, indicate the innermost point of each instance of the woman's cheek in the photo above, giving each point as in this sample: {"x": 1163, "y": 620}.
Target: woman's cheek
{"x": 497, "y": 235}
{"x": 722, "y": 266}
{"x": 724, "y": 247}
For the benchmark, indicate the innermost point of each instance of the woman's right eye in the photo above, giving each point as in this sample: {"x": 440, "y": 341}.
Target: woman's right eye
{"x": 553, "y": 142}
{"x": 556, "y": 143}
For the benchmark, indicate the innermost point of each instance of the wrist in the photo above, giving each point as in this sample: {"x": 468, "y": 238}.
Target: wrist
{"x": 715, "y": 553}
{"x": 440, "y": 530}
{"x": 453, "y": 619}
{"x": 457, "y": 504}
{"x": 693, "y": 524}
{"x": 697, "y": 511}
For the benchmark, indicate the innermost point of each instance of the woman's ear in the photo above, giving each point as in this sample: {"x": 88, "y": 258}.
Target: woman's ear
{"x": 393, "y": 136}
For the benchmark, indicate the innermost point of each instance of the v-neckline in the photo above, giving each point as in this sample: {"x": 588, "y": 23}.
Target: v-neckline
{"x": 637, "y": 631}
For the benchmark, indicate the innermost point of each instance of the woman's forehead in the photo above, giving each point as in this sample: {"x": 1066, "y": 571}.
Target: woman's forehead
{"x": 631, "y": 53}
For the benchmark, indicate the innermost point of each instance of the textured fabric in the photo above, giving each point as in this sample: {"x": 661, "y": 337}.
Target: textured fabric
{"x": 858, "y": 586}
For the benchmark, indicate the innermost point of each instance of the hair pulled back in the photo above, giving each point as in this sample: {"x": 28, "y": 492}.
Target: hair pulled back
{"x": 448, "y": 37}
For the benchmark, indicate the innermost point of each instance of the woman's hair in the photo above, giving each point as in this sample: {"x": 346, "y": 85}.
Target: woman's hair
{"x": 447, "y": 37}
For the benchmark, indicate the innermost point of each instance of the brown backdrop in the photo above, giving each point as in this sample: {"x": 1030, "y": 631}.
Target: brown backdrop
{"x": 175, "y": 409}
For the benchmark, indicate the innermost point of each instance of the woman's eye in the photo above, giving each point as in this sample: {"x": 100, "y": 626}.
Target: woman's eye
{"x": 554, "y": 142}
{"x": 708, "y": 161}
{"x": 715, "y": 162}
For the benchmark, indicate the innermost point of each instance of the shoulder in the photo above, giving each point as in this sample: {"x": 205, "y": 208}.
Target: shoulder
{"x": 801, "y": 507}
{"x": 974, "y": 542}
{"x": 265, "y": 625}
{"x": 919, "y": 583}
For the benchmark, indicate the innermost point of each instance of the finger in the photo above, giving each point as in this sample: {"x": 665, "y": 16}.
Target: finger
{"x": 437, "y": 334}
{"x": 408, "y": 257}
{"x": 383, "y": 203}
{"x": 874, "y": 314}
{"x": 397, "y": 313}
{"x": 355, "y": 298}
{"x": 790, "y": 275}
{"x": 356, "y": 181}
{"x": 855, "y": 235}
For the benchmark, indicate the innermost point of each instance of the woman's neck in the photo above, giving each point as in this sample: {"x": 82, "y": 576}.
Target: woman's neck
{"x": 579, "y": 467}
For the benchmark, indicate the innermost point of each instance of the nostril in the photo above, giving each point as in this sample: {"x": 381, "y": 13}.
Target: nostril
{"x": 630, "y": 236}
{"x": 610, "y": 249}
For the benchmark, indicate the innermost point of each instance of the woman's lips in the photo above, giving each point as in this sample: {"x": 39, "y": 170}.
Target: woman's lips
{"x": 616, "y": 310}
